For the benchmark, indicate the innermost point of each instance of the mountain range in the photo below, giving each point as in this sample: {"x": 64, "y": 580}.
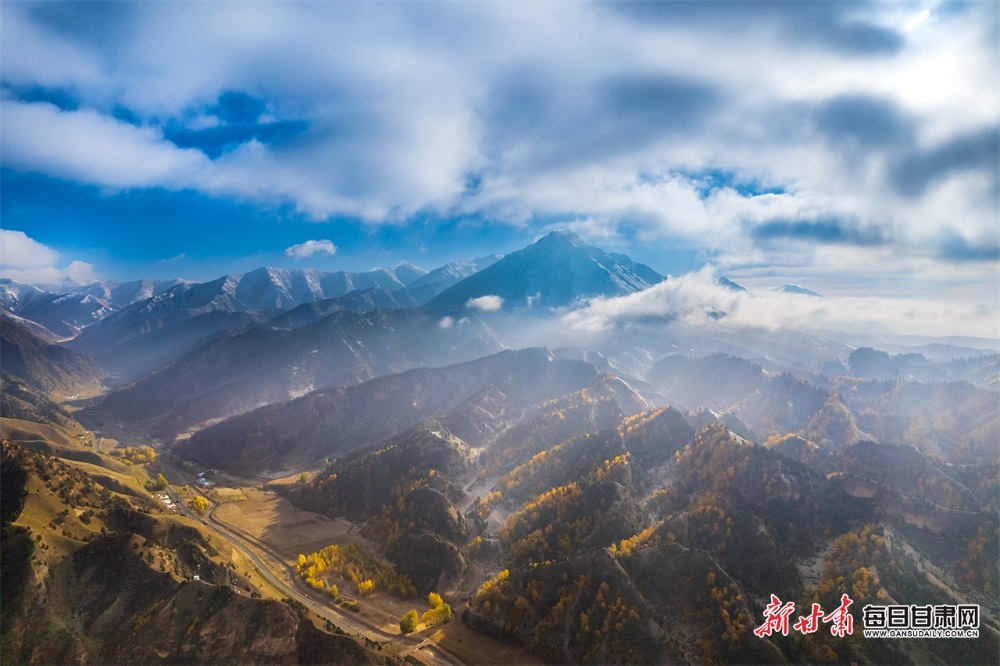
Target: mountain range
{"x": 634, "y": 491}
{"x": 133, "y": 328}
{"x": 328, "y": 421}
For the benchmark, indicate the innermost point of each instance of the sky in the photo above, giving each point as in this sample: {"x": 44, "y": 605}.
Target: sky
{"x": 850, "y": 147}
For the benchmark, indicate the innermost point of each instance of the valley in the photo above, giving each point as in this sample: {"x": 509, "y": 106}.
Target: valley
{"x": 290, "y": 467}
{"x": 272, "y": 533}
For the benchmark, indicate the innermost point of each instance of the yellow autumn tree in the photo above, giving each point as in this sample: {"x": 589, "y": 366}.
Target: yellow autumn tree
{"x": 409, "y": 622}
{"x": 438, "y": 615}
{"x": 199, "y": 504}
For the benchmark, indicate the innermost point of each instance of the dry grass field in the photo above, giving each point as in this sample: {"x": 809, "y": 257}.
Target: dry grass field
{"x": 473, "y": 648}
{"x": 276, "y": 523}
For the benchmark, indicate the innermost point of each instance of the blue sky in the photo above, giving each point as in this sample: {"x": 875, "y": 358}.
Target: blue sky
{"x": 846, "y": 146}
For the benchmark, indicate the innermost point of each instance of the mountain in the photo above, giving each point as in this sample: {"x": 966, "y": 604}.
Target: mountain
{"x": 148, "y": 334}
{"x": 66, "y": 314}
{"x": 35, "y": 328}
{"x": 423, "y": 287}
{"x": 797, "y": 289}
{"x": 228, "y": 376}
{"x": 407, "y": 487}
{"x": 14, "y": 295}
{"x": 729, "y": 284}
{"x": 406, "y": 480}
{"x": 875, "y": 364}
{"x": 281, "y": 289}
{"x": 433, "y": 283}
{"x": 718, "y": 528}
{"x": 762, "y": 402}
{"x": 980, "y": 370}
{"x": 598, "y": 407}
{"x": 407, "y": 273}
{"x": 45, "y": 367}
{"x": 552, "y": 498}
{"x": 278, "y": 288}
{"x": 952, "y": 421}
{"x": 337, "y": 419}
{"x": 359, "y": 300}
{"x": 122, "y": 294}
{"x": 555, "y": 271}
{"x": 68, "y": 311}
{"x": 126, "y": 590}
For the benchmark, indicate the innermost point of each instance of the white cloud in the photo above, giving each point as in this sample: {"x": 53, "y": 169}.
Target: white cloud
{"x": 33, "y": 54}
{"x": 446, "y": 322}
{"x": 80, "y": 272}
{"x": 517, "y": 113}
{"x": 19, "y": 251}
{"x": 25, "y": 260}
{"x": 696, "y": 299}
{"x": 311, "y": 247}
{"x": 88, "y": 146}
{"x": 917, "y": 20}
{"x": 488, "y": 303}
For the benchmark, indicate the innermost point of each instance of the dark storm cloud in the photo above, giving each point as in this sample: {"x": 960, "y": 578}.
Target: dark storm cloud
{"x": 912, "y": 174}
{"x": 825, "y": 232}
{"x": 656, "y": 105}
{"x": 96, "y": 23}
{"x": 521, "y": 104}
{"x": 560, "y": 124}
{"x": 858, "y": 38}
{"x": 826, "y": 25}
{"x": 864, "y": 121}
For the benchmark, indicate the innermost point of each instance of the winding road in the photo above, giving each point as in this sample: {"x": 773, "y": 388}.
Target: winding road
{"x": 413, "y": 644}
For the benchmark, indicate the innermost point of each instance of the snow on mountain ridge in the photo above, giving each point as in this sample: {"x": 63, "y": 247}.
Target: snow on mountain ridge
{"x": 557, "y": 270}
{"x": 433, "y": 283}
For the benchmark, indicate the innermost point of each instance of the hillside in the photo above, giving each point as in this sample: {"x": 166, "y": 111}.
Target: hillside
{"x": 93, "y": 575}
{"x": 687, "y": 582}
{"x": 767, "y": 403}
{"x": 406, "y": 488}
{"x": 43, "y": 366}
{"x": 330, "y": 421}
{"x": 233, "y": 375}
{"x": 359, "y": 300}
{"x": 434, "y": 282}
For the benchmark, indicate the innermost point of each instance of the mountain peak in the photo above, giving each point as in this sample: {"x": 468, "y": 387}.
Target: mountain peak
{"x": 561, "y": 236}
{"x": 729, "y": 284}
{"x": 554, "y": 271}
{"x": 797, "y": 289}
{"x": 406, "y": 272}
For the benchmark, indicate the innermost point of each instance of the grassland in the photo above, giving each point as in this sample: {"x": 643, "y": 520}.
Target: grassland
{"x": 281, "y": 527}
{"x": 471, "y": 647}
